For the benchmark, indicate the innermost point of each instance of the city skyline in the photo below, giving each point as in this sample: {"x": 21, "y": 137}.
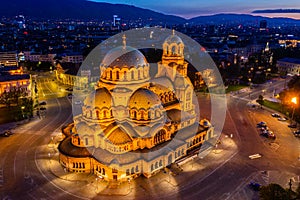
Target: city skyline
{"x": 196, "y": 8}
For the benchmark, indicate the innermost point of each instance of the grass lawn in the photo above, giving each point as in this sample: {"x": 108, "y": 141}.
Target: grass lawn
{"x": 273, "y": 105}
{"x": 278, "y": 107}
{"x": 232, "y": 88}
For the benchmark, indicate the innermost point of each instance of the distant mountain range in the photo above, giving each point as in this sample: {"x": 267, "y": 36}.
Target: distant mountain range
{"x": 87, "y": 10}
{"x": 81, "y": 9}
{"x": 278, "y": 11}
{"x": 243, "y": 19}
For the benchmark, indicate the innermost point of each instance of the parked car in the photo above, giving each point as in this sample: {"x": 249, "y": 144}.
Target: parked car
{"x": 6, "y": 133}
{"x": 268, "y": 134}
{"x": 271, "y": 135}
{"x": 292, "y": 125}
{"x": 297, "y": 133}
{"x": 254, "y": 186}
{"x": 43, "y": 103}
{"x": 262, "y": 124}
{"x": 282, "y": 119}
{"x": 69, "y": 89}
{"x": 275, "y": 115}
{"x": 70, "y": 96}
{"x": 78, "y": 102}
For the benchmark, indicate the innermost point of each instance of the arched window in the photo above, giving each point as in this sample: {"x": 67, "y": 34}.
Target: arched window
{"x": 105, "y": 113}
{"x": 142, "y": 114}
{"x": 125, "y": 75}
{"x": 134, "y": 114}
{"x": 117, "y": 75}
{"x": 149, "y": 114}
{"x": 174, "y": 50}
{"x": 137, "y": 168}
{"x": 132, "y": 75}
{"x": 86, "y": 141}
{"x": 97, "y": 114}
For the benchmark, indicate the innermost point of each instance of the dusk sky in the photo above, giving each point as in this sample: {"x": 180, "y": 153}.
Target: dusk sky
{"x": 194, "y": 8}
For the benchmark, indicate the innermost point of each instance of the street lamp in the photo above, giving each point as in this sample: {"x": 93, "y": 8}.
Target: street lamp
{"x": 294, "y": 101}
{"x": 22, "y": 108}
{"x": 97, "y": 184}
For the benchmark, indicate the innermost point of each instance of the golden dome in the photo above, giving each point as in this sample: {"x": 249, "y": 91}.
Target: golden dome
{"x": 99, "y": 98}
{"x": 124, "y": 57}
{"x": 173, "y": 39}
{"x": 144, "y": 99}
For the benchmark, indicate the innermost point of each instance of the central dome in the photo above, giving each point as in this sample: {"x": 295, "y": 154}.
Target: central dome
{"x": 124, "y": 57}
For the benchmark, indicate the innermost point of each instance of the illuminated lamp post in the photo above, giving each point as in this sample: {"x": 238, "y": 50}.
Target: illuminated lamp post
{"x": 294, "y": 101}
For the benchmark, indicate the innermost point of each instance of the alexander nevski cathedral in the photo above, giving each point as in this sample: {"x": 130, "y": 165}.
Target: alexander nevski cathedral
{"x": 132, "y": 124}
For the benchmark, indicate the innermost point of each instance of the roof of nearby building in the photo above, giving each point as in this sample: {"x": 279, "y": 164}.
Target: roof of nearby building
{"x": 4, "y": 78}
{"x": 8, "y": 68}
{"x": 290, "y": 60}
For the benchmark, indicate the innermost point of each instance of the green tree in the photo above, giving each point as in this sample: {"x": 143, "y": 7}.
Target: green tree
{"x": 273, "y": 192}
{"x": 12, "y": 96}
{"x": 260, "y": 100}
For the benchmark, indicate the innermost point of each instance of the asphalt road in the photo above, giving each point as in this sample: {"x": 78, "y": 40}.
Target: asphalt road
{"x": 19, "y": 151}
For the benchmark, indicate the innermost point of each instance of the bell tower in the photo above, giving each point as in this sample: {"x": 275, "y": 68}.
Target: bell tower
{"x": 172, "y": 58}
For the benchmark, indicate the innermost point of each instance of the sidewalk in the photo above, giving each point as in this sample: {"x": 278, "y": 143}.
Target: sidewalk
{"x": 13, "y": 125}
{"x": 157, "y": 186}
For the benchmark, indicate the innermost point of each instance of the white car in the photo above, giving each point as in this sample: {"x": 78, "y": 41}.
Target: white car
{"x": 282, "y": 119}
{"x": 78, "y": 102}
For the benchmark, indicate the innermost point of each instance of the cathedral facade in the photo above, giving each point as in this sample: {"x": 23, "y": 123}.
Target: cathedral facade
{"x": 132, "y": 124}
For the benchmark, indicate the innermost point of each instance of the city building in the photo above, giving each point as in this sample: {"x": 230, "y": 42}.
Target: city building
{"x": 66, "y": 73}
{"x": 8, "y": 59}
{"x": 288, "y": 66}
{"x": 263, "y": 25}
{"x": 72, "y": 58}
{"x": 13, "y": 77}
{"x": 133, "y": 124}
